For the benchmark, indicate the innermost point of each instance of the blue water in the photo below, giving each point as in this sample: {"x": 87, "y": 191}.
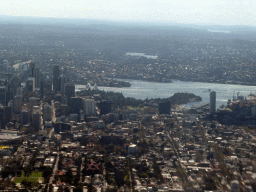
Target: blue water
{"x": 143, "y": 90}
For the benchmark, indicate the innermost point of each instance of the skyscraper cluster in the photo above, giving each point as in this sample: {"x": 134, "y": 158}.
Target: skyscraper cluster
{"x": 36, "y": 102}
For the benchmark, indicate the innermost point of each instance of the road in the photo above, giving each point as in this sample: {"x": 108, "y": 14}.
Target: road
{"x": 54, "y": 172}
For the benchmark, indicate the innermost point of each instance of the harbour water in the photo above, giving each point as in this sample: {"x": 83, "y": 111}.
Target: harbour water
{"x": 143, "y": 90}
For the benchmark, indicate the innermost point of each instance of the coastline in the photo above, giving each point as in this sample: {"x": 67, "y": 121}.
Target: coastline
{"x": 228, "y": 82}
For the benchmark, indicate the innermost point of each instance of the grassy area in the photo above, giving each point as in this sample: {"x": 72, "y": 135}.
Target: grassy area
{"x": 36, "y": 174}
{"x": 20, "y": 179}
{"x": 33, "y": 174}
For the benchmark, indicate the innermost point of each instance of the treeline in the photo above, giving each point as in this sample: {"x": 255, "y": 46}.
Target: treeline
{"x": 118, "y": 100}
{"x": 183, "y": 98}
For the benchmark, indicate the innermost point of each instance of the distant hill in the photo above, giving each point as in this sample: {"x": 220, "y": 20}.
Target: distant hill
{"x": 122, "y": 28}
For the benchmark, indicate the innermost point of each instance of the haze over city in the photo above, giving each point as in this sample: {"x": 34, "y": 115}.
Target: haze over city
{"x": 221, "y": 12}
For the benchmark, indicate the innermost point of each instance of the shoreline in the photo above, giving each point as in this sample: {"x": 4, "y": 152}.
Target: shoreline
{"x": 228, "y": 82}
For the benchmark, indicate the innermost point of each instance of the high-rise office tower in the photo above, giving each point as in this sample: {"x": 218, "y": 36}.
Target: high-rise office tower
{"x": 30, "y": 84}
{"x": 76, "y": 104}
{"x": 17, "y": 104}
{"x": 212, "y": 102}
{"x": 7, "y": 113}
{"x": 32, "y": 66}
{"x": 41, "y": 89}
{"x": 55, "y": 79}
{"x": 3, "y": 93}
{"x": 62, "y": 84}
{"x": 90, "y": 107}
{"x": 33, "y": 102}
{"x": 25, "y": 117}
{"x": 20, "y": 91}
{"x": 15, "y": 84}
{"x": 37, "y": 77}
{"x": 70, "y": 92}
{"x": 2, "y": 116}
{"x": 37, "y": 120}
{"x": 6, "y": 66}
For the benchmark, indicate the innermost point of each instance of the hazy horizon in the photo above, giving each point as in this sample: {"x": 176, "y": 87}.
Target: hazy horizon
{"x": 217, "y": 12}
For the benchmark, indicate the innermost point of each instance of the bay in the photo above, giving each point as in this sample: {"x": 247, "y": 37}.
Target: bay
{"x": 143, "y": 89}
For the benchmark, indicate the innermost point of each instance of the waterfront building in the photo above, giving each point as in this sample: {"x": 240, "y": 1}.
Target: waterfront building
{"x": 212, "y": 102}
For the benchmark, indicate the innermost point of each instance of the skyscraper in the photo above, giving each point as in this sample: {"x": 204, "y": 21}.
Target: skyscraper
{"x": 90, "y": 106}
{"x": 36, "y": 120}
{"x": 63, "y": 82}
{"x": 41, "y": 89}
{"x": 3, "y": 93}
{"x": 212, "y": 102}
{"x": 6, "y": 66}
{"x": 30, "y": 84}
{"x": 76, "y": 104}
{"x": 70, "y": 92}
{"x": 25, "y": 117}
{"x": 55, "y": 79}
{"x": 15, "y": 84}
{"x": 33, "y": 102}
{"x": 17, "y": 104}
{"x": 37, "y": 77}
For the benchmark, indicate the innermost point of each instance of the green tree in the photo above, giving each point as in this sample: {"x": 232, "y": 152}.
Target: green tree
{"x": 27, "y": 184}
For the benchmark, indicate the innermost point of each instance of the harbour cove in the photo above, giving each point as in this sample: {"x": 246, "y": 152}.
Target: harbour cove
{"x": 142, "y": 90}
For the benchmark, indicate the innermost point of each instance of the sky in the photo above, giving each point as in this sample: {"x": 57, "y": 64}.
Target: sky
{"x": 221, "y": 12}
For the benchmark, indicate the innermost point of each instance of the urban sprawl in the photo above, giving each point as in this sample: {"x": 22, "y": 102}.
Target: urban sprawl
{"x": 55, "y": 139}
